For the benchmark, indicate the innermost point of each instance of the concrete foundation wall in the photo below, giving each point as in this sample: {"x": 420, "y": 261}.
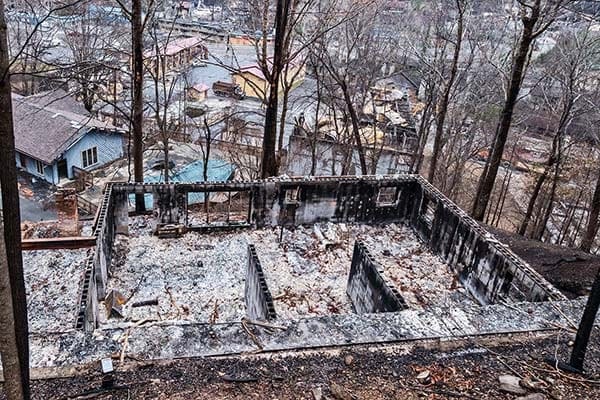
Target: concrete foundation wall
{"x": 88, "y": 300}
{"x": 259, "y": 302}
{"x": 367, "y": 287}
{"x": 487, "y": 268}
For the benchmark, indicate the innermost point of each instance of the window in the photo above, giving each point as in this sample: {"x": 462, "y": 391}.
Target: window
{"x": 39, "y": 166}
{"x": 89, "y": 157}
{"x": 387, "y": 196}
{"x": 292, "y": 196}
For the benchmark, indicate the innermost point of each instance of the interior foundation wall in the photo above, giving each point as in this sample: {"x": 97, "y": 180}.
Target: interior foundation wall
{"x": 259, "y": 302}
{"x": 367, "y": 287}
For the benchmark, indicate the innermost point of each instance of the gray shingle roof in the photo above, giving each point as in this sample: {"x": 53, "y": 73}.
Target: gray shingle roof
{"x": 45, "y": 133}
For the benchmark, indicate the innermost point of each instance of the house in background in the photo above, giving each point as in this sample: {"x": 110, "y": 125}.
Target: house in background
{"x": 197, "y": 92}
{"x": 254, "y": 83}
{"x": 175, "y": 55}
{"x": 51, "y": 143}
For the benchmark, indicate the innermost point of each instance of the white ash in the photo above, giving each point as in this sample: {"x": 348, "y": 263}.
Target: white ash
{"x": 52, "y": 281}
{"x": 308, "y": 272}
{"x": 196, "y": 277}
{"x": 201, "y": 277}
{"x": 421, "y": 277}
{"x": 307, "y": 277}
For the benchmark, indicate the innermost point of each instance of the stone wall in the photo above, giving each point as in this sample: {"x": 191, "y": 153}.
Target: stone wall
{"x": 368, "y": 289}
{"x": 259, "y": 302}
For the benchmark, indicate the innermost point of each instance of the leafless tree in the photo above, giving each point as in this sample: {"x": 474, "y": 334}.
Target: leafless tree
{"x": 566, "y": 79}
{"x": 14, "y": 332}
{"x": 448, "y": 84}
{"x": 536, "y": 17}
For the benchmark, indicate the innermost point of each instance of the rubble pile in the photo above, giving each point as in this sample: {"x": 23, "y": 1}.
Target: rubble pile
{"x": 52, "y": 281}
{"x": 201, "y": 277}
{"x": 307, "y": 271}
{"x": 40, "y": 230}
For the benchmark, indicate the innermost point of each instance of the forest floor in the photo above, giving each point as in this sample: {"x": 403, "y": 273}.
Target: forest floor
{"x": 569, "y": 270}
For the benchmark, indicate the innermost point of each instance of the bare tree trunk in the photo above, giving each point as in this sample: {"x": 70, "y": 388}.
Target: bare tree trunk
{"x": 15, "y": 345}
{"x": 208, "y": 137}
{"x": 269, "y": 158}
{"x": 284, "y": 109}
{"x": 423, "y": 135}
{"x": 488, "y": 177}
{"x": 566, "y": 225}
{"x": 166, "y": 156}
{"x": 138, "y": 99}
{"x": 592, "y": 226}
{"x": 314, "y": 136}
{"x": 355, "y": 128}
{"x": 541, "y": 227}
{"x": 443, "y": 106}
{"x": 9, "y": 353}
{"x": 534, "y": 196}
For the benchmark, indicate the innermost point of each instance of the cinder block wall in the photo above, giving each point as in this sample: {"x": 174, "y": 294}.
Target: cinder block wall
{"x": 259, "y": 302}
{"x": 367, "y": 288}
{"x": 487, "y": 268}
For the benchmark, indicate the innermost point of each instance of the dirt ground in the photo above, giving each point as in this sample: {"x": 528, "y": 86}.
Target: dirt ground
{"x": 570, "y": 270}
{"x": 469, "y": 371}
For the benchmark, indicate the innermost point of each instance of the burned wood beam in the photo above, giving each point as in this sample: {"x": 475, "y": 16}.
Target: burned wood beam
{"x": 71, "y": 242}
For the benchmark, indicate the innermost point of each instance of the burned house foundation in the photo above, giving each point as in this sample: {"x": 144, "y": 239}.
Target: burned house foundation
{"x": 326, "y": 261}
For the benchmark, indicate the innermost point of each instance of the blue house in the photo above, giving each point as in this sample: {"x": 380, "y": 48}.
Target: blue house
{"x": 51, "y": 141}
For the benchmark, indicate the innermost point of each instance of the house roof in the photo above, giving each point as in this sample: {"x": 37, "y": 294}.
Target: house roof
{"x": 200, "y": 87}
{"x": 257, "y": 71}
{"x": 59, "y": 99}
{"x": 253, "y": 70}
{"x": 44, "y": 132}
{"x": 175, "y": 46}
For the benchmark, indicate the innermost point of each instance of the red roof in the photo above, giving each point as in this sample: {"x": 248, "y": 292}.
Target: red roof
{"x": 175, "y": 46}
{"x": 200, "y": 87}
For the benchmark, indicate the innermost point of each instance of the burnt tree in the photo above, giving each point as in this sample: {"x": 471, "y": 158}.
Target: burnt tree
{"x": 445, "y": 99}
{"x": 15, "y": 352}
{"x": 137, "y": 106}
{"x": 269, "y": 162}
{"x": 593, "y": 222}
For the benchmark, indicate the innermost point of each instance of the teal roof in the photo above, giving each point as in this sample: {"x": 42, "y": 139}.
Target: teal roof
{"x": 218, "y": 170}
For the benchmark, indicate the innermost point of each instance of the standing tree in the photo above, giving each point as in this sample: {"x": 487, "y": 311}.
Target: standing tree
{"x": 565, "y": 79}
{"x": 594, "y": 219}
{"x": 536, "y": 17}
{"x": 14, "y": 332}
{"x": 137, "y": 105}
{"x": 442, "y": 108}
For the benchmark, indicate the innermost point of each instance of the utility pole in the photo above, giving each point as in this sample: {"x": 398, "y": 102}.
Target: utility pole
{"x": 14, "y": 332}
